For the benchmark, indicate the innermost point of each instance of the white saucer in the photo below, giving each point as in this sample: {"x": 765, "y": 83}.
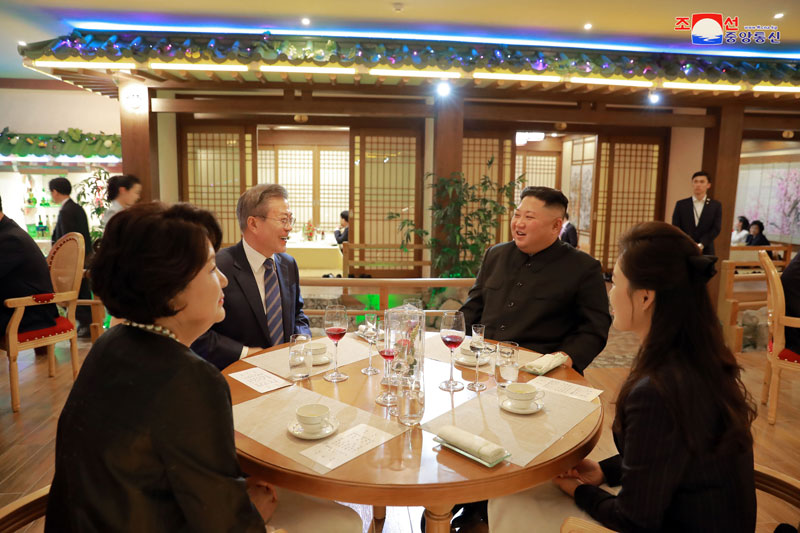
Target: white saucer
{"x": 467, "y": 360}
{"x": 320, "y": 360}
{"x": 534, "y": 408}
{"x": 327, "y": 430}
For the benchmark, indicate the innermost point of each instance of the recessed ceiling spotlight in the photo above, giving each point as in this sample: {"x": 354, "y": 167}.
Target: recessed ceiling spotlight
{"x": 22, "y": 43}
{"x": 398, "y": 7}
{"x": 778, "y": 15}
{"x": 587, "y": 26}
{"x": 305, "y": 21}
{"x": 443, "y": 89}
{"x": 654, "y": 98}
{"x": 554, "y": 135}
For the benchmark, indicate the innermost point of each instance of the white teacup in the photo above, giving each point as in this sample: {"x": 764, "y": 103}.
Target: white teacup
{"x": 312, "y": 417}
{"x": 522, "y": 395}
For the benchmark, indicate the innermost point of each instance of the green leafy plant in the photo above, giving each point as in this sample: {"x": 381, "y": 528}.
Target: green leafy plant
{"x": 468, "y": 215}
{"x": 92, "y": 193}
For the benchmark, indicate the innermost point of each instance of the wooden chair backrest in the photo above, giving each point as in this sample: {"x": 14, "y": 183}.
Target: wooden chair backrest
{"x": 23, "y": 511}
{"x": 65, "y": 262}
{"x": 776, "y": 303}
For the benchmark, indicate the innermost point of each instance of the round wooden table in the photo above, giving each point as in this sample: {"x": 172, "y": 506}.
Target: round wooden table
{"x": 411, "y": 469}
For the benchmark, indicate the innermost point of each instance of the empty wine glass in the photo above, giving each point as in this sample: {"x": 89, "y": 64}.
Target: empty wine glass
{"x": 371, "y": 334}
{"x": 452, "y": 334}
{"x": 335, "y": 327}
{"x": 477, "y": 346}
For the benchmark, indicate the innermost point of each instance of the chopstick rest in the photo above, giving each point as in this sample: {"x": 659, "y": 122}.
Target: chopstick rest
{"x": 473, "y": 444}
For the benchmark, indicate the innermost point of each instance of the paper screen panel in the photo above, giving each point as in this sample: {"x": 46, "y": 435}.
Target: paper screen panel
{"x": 334, "y": 186}
{"x": 266, "y": 165}
{"x": 296, "y": 174}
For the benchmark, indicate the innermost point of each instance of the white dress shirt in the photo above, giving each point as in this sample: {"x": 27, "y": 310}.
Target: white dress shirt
{"x": 739, "y": 237}
{"x": 256, "y": 261}
{"x": 698, "y": 208}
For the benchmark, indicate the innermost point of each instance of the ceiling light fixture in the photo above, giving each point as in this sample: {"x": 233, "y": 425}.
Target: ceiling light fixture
{"x": 701, "y": 86}
{"x": 775, "y": 89}
{"x": 587, "y": 26}
{"x": 610, "y": 81}
{"x": 84, "y": 64}
{"x": 401, "y": 73}
{"x": 206, "y": 67}
{"x": 308, "y": 70}
{"x": 305, "y": 21}
{"x": 443, "y": 89}
{"x": 654, "y": 98}
{"x": 778, "y": 15}
{"x": 514, "y": 77}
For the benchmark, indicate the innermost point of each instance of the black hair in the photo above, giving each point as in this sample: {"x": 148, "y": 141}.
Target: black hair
{"x": 60, "y": 185}
{"x": 745, "y": 223}
{"x": 115, "y": 182}
{"x": 1, "y": 204}
{"x": 702, "y": 173}
{"x": 137, "y": 275}
{"x": 550, "y": 197}
{"x": 345, "y": 215}
{"x": 758, "y": 224}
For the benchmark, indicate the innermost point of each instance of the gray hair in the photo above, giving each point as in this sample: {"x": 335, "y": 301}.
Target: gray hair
{"x": 254, "y": 197}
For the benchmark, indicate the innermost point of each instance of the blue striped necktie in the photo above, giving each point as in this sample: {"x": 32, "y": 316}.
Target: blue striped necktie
{"x": 272, "y": 301}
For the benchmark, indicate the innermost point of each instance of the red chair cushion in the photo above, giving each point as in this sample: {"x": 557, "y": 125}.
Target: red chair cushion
{"x": 788, "y": 355}
{"x": 62, "y": 326}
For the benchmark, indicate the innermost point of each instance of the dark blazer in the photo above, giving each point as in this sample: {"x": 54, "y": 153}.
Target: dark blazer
{"x": 23, "y": 272}
{"x": 245, "y": 322}
{"x": 342, "y": 236}
{"x": 707, "y": 229}
{"x": 145, "y": 443}
{"x": 552, "y": 301}
{"x": 664, "y": 486}
{"x": 570, "y": 235}
{"x": 758, "y": 240}
{"x": 790, "y": 279}
{"x": 72, "y": 217}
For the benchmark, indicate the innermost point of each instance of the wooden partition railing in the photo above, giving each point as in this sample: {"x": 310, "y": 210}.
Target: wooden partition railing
{"x": 730, "y": 302}
{"x": 384, "y": 287}
{"x": 353, "y": 263}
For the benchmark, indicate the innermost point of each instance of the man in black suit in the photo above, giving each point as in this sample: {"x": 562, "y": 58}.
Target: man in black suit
{"x": 263, "y": 305}
{"x": 343, "y": 234}
{"x": 72, "y": 217}
{"x": 568, "y": 232}
{"x": 23, "y": 272}
{"x": 699, "y": 216}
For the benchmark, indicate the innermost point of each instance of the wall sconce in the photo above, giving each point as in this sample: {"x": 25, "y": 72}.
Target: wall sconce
{"x": 133, "y": 97}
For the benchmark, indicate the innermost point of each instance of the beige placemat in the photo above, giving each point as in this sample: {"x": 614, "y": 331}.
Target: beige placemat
{"x": 350, "y": 351}
{"x": 265, "y": 419}
{"x": 435, "y": 349}
{"x": 525, "y": 436}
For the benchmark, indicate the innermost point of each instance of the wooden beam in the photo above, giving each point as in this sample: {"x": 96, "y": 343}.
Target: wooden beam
{"x": 152, "y": 76}
{"x": 139, "y": 136}
{"x": 772, "y": 122}
{"x": 172, "y": 76}
{"x": 279, "y": 106}
{"x": 520, "y": 113}
{"x": 37, "y": 85}
{"x": 212, "y": 75}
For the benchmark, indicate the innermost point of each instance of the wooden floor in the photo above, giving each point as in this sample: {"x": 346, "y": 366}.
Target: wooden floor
{"x": 27, "y": 438}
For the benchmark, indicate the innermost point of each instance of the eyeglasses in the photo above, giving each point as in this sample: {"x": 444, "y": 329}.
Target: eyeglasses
{"x": 286, "y": 222}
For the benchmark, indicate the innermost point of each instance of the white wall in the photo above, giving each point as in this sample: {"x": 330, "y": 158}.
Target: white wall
{"x": 685, "y": 158}
{"x": 39, "y": 111}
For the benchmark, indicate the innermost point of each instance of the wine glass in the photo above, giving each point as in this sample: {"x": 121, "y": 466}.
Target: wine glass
{"x": 391, "y": 336}
{"x": 371, "y": 333}
{"x": 477, "y": 346}
{"x": 335, "y": 328}
{"x": 452, "y": 334}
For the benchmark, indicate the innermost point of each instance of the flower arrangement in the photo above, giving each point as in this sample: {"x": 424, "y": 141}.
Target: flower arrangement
{"x": 309, "y": 230}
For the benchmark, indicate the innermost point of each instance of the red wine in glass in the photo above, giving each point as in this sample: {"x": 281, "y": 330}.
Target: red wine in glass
{"x": 335, "y": 334}
{"x": 388, "y": 353}
{"x": 452, "y": 341}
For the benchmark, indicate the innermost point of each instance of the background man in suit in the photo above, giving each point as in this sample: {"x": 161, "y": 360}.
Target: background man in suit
{"x": 23, "y": 272}
{"x": 568, "y": 232}
{"x": 699, "y": 216}
{"x": 72, "y": 217}
{"x": 343, "y": 234}
{"x": 263, "y": 305}
{"x": 790, "y": 279}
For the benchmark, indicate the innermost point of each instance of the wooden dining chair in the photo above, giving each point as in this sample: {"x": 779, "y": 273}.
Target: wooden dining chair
{"x": 778, "y": 356}
{"x": 23, "y": 511}
{"x": 767, "y": 480}
{"x": 65, "y": 263}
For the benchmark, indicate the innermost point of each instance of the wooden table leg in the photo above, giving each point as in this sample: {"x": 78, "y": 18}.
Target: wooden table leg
{"x": 437, "y": 518}
{"x": 378, "y": 512}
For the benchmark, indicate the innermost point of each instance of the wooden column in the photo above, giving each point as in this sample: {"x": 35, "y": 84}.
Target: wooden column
{"x": 139, "y": 129}
{"x": 722, "y": 149}
{"x": 448, "y": 135}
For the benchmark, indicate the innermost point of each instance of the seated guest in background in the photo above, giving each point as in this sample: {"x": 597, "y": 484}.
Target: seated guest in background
{"x": 145, "y": 440}
{"x": 790, "y": 279}
{"x": 343, "y": 233}
{"x": 123, "y": 191}
{"x": 683, "y": 415}
{"x": 263, "y": 305}
{"x": 540, "y": 291}
{"x": 72, "y": 217}
{"x": 23, "y": 272}
{"x": 699, "y": 216}
{"x": 757, "y": 237}
{"x": 568, "y": 232}
{"x": 740, "y": 232}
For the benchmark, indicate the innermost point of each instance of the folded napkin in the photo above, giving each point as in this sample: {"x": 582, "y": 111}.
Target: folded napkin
{"x": 545, "y": 363}
{"x": 471, "y": 443}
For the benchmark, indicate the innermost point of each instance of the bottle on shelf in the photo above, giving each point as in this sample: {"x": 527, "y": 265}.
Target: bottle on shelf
{"x": 43, "y": 202}
{"x": 49, "y": 228}
{"x": 31, "y": 198}
{"x": 40, "y": 228}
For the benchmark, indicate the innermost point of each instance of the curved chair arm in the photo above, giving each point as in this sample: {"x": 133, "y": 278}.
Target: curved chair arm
{"x": 27, "y": 301}
{"x": 579, "y": 525}
{"x": 24, "y": 511}
{"x": 779, "y": 485}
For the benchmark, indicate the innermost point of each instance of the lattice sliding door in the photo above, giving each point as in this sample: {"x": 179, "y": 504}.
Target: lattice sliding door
{"x": 334, "y": 181}
{"x": 477, "y": 151}
{"x": 385, "y": 177}
{"x": 216, "y": 167}
{"x": 540, "y": 169}
{"x": 628, "y": 192}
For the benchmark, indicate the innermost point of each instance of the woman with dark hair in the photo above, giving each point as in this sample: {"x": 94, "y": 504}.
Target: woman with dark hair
{"x": 683, "y": 417}
{"x": 145, "y": 440}
{"x": 122, "y": 192}
{"x": 740, "y": 232}
{"x": 757, "y": 237}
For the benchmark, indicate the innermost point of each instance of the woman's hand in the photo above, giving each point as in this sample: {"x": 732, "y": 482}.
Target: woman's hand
{"x": 587, "y": 471}
{"x": 263, "y": 497}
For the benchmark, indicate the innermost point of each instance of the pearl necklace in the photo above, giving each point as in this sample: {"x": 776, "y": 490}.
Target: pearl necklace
{"x": 152, "y": 328}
